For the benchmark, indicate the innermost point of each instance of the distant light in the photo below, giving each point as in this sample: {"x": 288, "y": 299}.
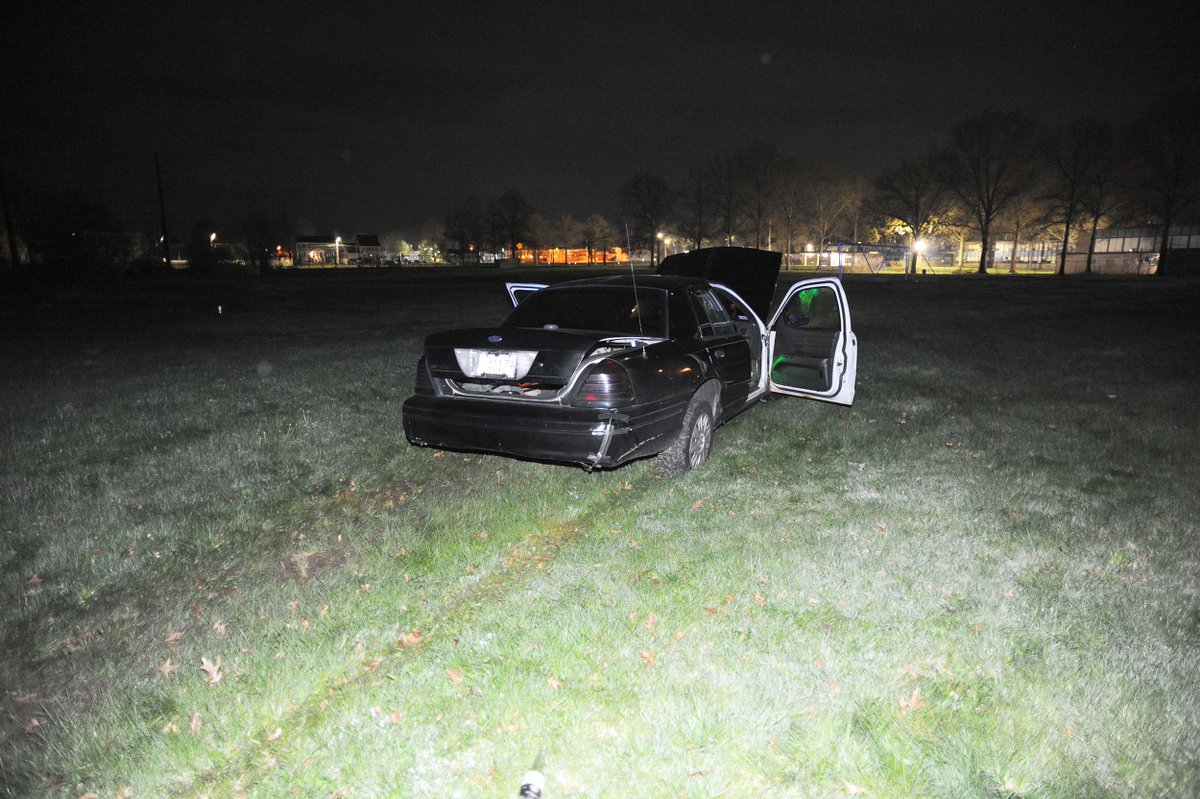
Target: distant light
{"x": 212, "y": 239}
{"x": 919, "y": 245}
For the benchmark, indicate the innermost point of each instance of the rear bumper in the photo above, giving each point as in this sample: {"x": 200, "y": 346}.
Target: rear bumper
{"x": 541, "y": 431}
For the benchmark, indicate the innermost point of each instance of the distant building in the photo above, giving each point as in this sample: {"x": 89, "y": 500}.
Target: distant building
{"x": 367, "y": 249}
{"x": 321, "y": 251}
{"x": 1136, "y": 249}
{"x": 571, "y": 255}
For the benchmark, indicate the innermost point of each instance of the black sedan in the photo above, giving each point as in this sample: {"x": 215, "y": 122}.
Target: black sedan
{"x": 603, "y": 371}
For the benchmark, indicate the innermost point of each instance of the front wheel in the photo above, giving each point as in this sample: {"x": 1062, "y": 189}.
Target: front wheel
{"x": 694, "y": 443}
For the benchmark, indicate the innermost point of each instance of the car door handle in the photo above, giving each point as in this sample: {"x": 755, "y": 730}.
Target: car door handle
{"x": 718, "y": 353}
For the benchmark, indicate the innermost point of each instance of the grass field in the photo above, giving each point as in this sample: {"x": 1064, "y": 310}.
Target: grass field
{"x": 225, "y": 573}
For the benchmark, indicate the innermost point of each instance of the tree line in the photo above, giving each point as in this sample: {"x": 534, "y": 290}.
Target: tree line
{"x": 997, "y": 173}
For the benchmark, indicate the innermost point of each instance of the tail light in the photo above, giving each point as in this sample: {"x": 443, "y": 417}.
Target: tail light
{"x": 607, "y": 385}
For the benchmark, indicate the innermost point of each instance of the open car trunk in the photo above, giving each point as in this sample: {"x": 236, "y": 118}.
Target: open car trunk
{"x": 512, "y": 361}
{"x": 751, "y": 273}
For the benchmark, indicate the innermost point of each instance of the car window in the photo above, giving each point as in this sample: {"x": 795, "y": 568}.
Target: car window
{"x": 616, "y": 309}
{"x": 813, "y": 309}
{"x": 714, "y": 319}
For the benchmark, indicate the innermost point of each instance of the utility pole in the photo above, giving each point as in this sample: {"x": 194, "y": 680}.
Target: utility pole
{"x": 162, "y": 215}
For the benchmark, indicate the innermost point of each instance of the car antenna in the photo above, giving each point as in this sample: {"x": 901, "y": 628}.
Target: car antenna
{"x": 637, "y": 302}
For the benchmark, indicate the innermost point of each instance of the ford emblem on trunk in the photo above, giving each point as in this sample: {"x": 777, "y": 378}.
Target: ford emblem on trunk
{"x": 495, "y": 339}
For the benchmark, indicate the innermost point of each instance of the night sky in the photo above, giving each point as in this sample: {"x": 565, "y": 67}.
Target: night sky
{"x": 376, "y": 117}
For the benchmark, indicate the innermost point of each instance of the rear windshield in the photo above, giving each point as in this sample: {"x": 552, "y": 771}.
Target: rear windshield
{"x": 614, "y": 309}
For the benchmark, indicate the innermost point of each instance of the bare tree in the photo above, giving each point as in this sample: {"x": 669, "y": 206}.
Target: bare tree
{"x": 598, "y": 233}
{"x": 510, "y": 213}
{"x": 696, "y": 215}
{"x": 912, "y": 195}
{"x": 789, "y": 200}
{"x": 729, "y": 193}
{"x": 646, "y": 202}
{"x": 989, "y": 163}
{"x": 828, "y": 199}
{"x": 957, "y": 224}
{"x": 1165, "y": 144}
{"x": 262, "y": 232}
{"x": 1103, "y": 196}
{"x": 563, "y": 231}
{"x": 1078, "y": 157}
{"x": 1025, "y": 216}
{"x": 463, "y": 228}
{"x": 755, "y": 167}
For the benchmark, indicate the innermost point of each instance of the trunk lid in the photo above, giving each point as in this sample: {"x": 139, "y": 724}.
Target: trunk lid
{"x": 751, "y": 273}
{"x": 547, "y": 358}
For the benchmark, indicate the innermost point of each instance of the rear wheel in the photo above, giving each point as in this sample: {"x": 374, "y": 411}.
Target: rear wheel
{"x": 694, "y": 443}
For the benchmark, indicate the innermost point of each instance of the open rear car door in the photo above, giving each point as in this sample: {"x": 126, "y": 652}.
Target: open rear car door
{"x": 812, "y": 350}
{"x": 519, "y": 291}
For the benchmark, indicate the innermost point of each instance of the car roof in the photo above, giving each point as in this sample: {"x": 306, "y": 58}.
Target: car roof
{"x": 669, "y": 282}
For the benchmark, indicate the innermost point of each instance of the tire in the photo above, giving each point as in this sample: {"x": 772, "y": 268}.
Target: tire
{"x": 694, "y": 442}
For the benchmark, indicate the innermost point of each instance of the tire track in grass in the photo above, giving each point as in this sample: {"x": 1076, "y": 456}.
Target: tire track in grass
{"x": 533, "y": 553}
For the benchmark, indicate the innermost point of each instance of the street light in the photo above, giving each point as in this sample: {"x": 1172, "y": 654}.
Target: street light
{"x": 336, "y": 243}
{"x": 918, "y": 248}
{"x": 212, "y": 240}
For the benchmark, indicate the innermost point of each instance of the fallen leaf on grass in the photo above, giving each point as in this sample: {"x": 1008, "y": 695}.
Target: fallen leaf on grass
{"x": 409, "y": 639}
{"x": 219, "y": 627}
{"x": 913, "y": 702}
{"x": 196, "y": 724}
{"x": 553, "y": 683}
{"x": 647, "y": 656}
{"x": 855, "y": 790}
{"x": 166, "y": 668}
{"x": 173, "y": 637}
{"x": 698, "y": 504}
{"x": 35, "y": 580}
{"x": 275, "y": 735}
{"x": 761, "y": 599}
{"x": 212, "y": 669}
{"x": 454, "y": 676}
{"x": 32, "y": 724}
{"x": 650, "y": 621}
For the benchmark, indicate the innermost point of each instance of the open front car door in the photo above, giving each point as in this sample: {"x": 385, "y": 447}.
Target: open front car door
{"x": 813, "y": 352}
{"x": 519, "y": 291}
